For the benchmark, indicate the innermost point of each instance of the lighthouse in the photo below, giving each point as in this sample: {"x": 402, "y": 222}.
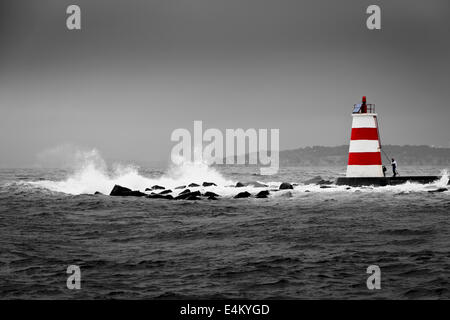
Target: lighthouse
{"x": 364, "y": 156}
{"x": 364, "y": 166}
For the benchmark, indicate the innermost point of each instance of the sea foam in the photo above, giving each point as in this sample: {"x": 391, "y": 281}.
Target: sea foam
{"x": 91, "y": 174}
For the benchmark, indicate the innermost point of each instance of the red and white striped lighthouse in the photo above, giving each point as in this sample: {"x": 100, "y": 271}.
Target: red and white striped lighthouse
{"x": 364, "y": 158}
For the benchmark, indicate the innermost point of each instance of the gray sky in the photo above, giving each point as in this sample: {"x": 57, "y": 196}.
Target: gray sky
{"x": 140, "y": 69}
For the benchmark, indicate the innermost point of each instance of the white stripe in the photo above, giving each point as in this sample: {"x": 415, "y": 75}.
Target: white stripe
{"x": 364, "y": 171}
{"x": 364, "y": 146}
{"x": 363, "y": 121}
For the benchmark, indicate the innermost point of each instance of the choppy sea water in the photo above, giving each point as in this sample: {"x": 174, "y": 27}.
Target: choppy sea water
{"x": 305, "y": 243}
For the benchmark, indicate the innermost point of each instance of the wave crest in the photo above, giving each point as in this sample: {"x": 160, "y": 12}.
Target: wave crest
{"x": 92, "y": 174}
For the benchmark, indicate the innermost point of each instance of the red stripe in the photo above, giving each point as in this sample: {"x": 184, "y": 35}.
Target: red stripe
{"x": 364, "y": 134}
{"x": 364, "y": 158}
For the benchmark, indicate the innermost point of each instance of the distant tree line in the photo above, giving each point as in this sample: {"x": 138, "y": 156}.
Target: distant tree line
{"x": 329, "y": 156}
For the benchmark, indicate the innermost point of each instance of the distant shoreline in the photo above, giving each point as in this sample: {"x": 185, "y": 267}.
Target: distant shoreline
{"x": 317, "y": 156}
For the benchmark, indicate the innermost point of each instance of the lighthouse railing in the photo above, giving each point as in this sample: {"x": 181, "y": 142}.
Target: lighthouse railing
{"x": 357, "y": 108}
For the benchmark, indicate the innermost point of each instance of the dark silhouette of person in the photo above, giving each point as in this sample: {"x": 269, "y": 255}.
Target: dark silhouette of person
{"x": 364, "y": 105}
{"x": 384, "y": 171}
{"x": 394, "y": 167}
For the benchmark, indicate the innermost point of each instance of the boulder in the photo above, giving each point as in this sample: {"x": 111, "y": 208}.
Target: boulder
{"x": 208, "y": 184}
{"x": 98, "y": 193}
{"x": 137, "y": 193}
{"x": 438, "y": 190}
{"x": 125, "y": 192}
{"x": 119, "y": 190}
{"x": 244, "y": 194}
{"x": 180, "y": 187}
{"x": 187, "y": 195}
{"x": 210, "y": 194}
{"x": 325, "y": 187}
{"x": 160, "y": 196}
{"x": 156, "y": 187}
{"x": 193, "y": 185}
{"x": 255, "y": 184}
{"x": 286, "y": 185}
{"x": 166, "y": 191}
{"x": 212, "y": 198}
{"x": 184, "y": 191}
{"x": 263, "y": 194}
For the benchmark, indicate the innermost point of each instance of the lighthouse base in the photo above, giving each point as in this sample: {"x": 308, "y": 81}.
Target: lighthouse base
{"x": 384, "y": 181}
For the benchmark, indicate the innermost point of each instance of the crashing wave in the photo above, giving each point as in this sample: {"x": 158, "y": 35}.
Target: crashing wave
{"x": 92, "y": 175}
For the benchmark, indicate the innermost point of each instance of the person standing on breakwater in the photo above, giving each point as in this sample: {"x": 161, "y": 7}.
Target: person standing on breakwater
{"x": 394, "y": 167}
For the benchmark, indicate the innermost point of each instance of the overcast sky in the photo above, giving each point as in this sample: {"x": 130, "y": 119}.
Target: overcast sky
{"x": 140, "y": 69}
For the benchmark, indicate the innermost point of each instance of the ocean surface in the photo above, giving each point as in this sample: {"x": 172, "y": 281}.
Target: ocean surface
{"x": 306, "y": 243}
